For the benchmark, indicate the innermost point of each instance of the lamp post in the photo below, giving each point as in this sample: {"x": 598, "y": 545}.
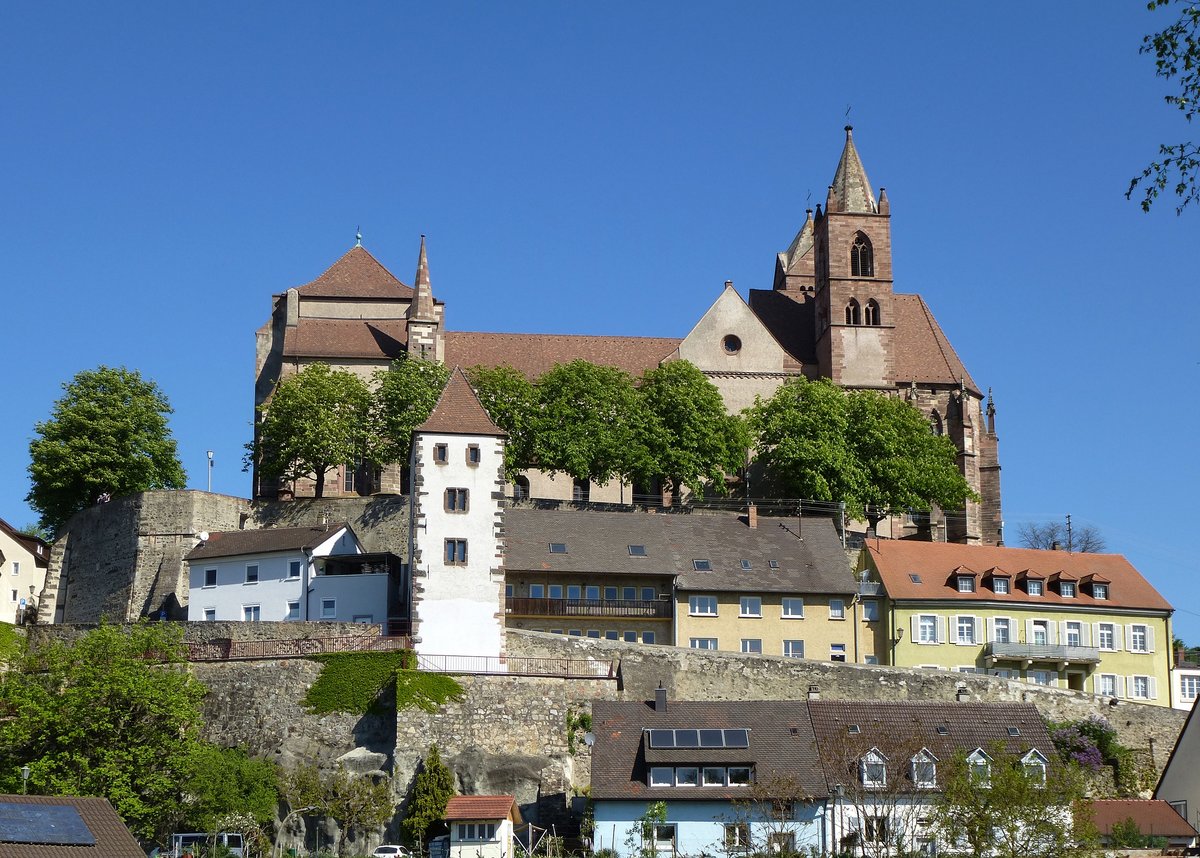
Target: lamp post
{"x": 210, "y": 467}
{"x": 24, "y": 780}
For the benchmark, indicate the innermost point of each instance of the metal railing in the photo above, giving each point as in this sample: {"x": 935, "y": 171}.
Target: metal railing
{"x": 529, "y": 606}
{"x": 1043, "y": 652}
{"x": 566, "y": 668}
{"x": 225, "y": 649}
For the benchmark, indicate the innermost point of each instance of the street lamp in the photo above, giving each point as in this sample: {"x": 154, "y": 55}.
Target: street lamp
{"x": 24, "y": 779}
{"x": 210, "y": 467}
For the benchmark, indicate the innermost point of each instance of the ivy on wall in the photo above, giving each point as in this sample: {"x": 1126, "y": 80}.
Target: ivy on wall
{"x": 354, "y": 683}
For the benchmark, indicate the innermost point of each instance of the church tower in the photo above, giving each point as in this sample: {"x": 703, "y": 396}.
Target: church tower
{"x": 426, "y": 337}
{"x": 852, "y": 259}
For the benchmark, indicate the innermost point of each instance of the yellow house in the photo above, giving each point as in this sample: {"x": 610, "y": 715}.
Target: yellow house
{"x": 23, "y": 563}
{"x": 1088, "y": 622}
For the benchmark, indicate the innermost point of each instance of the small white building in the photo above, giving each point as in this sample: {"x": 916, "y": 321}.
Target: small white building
{"x": 318, "y": 573}
{"x": 1185, "y": 681}
{"x": 455, "y": 543}
{"x": 481, "y": 826}
{"x": 23, "y": 563}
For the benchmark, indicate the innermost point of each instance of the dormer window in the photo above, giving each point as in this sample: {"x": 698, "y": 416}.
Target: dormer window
{"x": 862, "y": 257}
{"x": 872, "y": 770}
{"x": 966, "y": 584}
{"x": 924, "y": 770}
{"x": 1033, "y": 587}
{"x": 1034, "y": 764}
{"x": 1000, "y": 586}
{"x": 1099, "y": 591}
{"x": 1066, "y": 589}
{"x": 980, "y": 766}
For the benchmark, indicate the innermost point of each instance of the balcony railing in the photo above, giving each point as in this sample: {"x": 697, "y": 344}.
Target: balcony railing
{"x": 531, "y": 607}
{"x": 1042, "y": 652}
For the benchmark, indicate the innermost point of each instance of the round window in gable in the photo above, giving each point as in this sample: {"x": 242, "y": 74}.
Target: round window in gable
{"x": 732, "y": 344}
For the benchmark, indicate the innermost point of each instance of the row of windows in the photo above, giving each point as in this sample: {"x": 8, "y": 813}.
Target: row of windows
{"x": 1002, "y": 585}
{"x": 476, "y": 830}
{"x": 791, "y": 607}
{"x": 253, "y": 613}
{"x": 966, "y": 629}
{"x": 855, "y": 313}
{"x": 753, "y": 646}
{"x": 251, "y": 575}
{"x": 1134, "y": 687}
{"x": 1189, "y": 687}
{"x": 590, "y": 592}
{"x": 629, "y": 636}
{"x": 921, "y": 769}
{"x": 692, "y": 776}
{"x": 441, "y": 454}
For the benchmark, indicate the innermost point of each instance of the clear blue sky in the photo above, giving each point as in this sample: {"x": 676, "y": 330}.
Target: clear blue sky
{"x": 603, "y": 168}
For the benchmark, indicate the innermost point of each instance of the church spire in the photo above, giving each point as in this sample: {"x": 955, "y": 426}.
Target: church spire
{"x": 422, "y": 307}
{"x": 851, "y": 189}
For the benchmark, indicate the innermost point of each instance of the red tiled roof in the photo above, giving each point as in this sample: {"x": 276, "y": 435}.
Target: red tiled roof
{"x": 536, "y": 354}
{"x": 480, "y": 807}
{"x": 357, "y": 274}
{"x": 382, "y": 339}
{"x": 458, "y": 411}
{"x": 922, "y": 351}
{"x": 935, "y": 564}
{"x": 113, "y": 839}
{"x": 1153, "y": 816}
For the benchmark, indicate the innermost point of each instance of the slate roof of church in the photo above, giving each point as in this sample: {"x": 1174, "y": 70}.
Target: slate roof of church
{"x": 357, "y": 274}
{"x": 923, "y": 352}
{"x": 851, "y": 187}
{"x": 938, "y": 565}
{"x": 599, "y": 541}
{"x": 112, "y": 838}
{"x": 458, "y": 411}
{"x": 781, "y": 743}
{"x": 233, "y": 543}
{"x": 377, "y": 339}
{"x": 536, "y": 354}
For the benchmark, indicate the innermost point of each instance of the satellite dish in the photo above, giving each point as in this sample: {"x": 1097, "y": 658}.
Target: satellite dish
{"x": 202, "y": 536}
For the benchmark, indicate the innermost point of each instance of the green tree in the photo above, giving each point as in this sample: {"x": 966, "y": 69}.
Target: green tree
{"x": 405, "y": 395}
{"x": 694, "y": 442}
{"x": 641, "y": 836}
{"x": 107, "y": 434}
{"x": 223, "y": 781}
{"x": 114, "y": 714}
{"x": 314, "y": 421}
{"x": 1012, "y": 810}
{"x": 870, "y": 450}
{"x": 432, "y": 791}
{"x": 37, "y": 531}
{"x": 511, "y": 401}
{"x": 357, "y": 803}
{"x": 1176, "y": 50}
{"x": 592, "y": 424}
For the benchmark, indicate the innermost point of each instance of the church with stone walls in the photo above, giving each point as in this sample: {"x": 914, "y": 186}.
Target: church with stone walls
{"x": 830, "y": 312}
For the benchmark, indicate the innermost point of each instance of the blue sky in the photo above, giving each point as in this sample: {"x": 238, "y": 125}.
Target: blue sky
{"x": 604, "y": 168}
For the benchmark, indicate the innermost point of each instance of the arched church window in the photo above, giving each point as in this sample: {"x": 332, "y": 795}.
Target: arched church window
{"x": 862, "y": 258}
{"x": 872, "y": 312}
{"x": 935, "y": 423}
{"x": 853, "y": 313}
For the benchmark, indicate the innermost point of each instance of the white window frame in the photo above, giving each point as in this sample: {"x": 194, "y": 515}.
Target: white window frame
{"x": 872, "y": 770}
{"x": 1067, "y": 589}
{"x": 252, "y": 579}
{"x": 295, "y": 568}
{"x": 1075, "y": 626}
{"x": 1035, "y": 587}
{"x": 328, "y": 607}
{"x": 979, "y": 766}
{"x": 966, "y": 584}
{"x": 1189, "y": 687}
{"x": 927, "y": 628}
{"x": 1139, "y": 638}
{"x": 792, "y": 608}
{"x": 702, "y": 606}
{"x": 968, "y": 623}
{"x": 1149, "y": 685}
{"x": 835, "y": 650}
{"x": 1100, "y": 592}
{"x": 709, "y": 644}
{"x": 292, "y": 610}
{"x": 924, "y": 769}
{"x": 1109, "y": 679}
{"x": 210, "y": 615}
{"x": 750, "y": 606}
{"x": 870, "y": 611}
{"x": 752, "y": 646}
{"x": 1034, "y": 764}
{"x": 1004, "y": 623}
{"x": 793, "y": 649}
{"x": 1000, "y": 586}
{"x": 252, "y": 613}
{"x": 837, "y": 609}
{"x": 1109, "y": 630}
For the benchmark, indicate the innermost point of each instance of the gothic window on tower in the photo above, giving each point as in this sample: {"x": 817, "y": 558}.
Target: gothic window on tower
{"x": 853, "y": 313}
{"x": 862, "y": 258}
{"x": 872, "y": 312}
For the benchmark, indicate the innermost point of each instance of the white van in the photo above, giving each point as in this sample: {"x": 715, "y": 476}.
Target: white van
{"x": 200, "y": 845}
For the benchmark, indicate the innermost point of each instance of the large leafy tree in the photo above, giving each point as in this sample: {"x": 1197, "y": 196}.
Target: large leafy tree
{"x": 107, "y": 434}
{"x": 591, "y": 424}
{"x": 872, "y": 451}
{"x": 1011, "y": 809}
{"x": 114, "y": 714}
{"x": 693, "y": 441}
{"x": 432, "y": 790}
{"x": 315, "y": 420}
{"x": 221, "y": 781}
{"x": 405, "y": 395}
{"x": 1176, "y": 50}
{"x": 511, "y": 401}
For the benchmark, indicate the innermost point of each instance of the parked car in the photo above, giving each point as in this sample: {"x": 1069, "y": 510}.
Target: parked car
{"x": 389, "y": 851}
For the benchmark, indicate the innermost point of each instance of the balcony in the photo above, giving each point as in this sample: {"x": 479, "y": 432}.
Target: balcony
{"x": 528, "y": 607}
{"x": 1058, "y": 653}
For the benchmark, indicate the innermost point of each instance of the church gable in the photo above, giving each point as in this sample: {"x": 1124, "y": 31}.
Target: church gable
{"x": 729, "y": 338}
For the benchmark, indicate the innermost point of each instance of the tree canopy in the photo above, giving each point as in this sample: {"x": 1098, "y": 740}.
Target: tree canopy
{"x": 872, "y": 451}
{"x": 510, "y": 399}
{"x": 693, "y": 441}
{"x": 1176, "y": 50}
{"x": 315, "y": 420}
{"x": 107, "y": 435}
{"x": 432, "y": 790}
{"x": 405, "y": 395}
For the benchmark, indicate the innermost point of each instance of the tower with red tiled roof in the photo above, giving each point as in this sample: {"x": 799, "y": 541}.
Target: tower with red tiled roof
{"x": 456, "y": 523}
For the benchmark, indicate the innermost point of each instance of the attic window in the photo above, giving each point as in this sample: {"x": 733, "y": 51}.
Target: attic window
{"x": 1066, "y": 589}
{"x": 1014, "y": 731}
{"x": 558, "y": 548}
{"x": 774, "y": 564}
{"x": 966, "y": 584}
{"x": 942, "y": 730}
{"x": 853, "y": 729}
{"x": 1099, "y": 591}
{"x": 745, "y": 565}
{"x": 637, "y": 551}
{"x": 732, "y": 344}
{"x": 701, "y": 565}
{"x": 914, "y": 577}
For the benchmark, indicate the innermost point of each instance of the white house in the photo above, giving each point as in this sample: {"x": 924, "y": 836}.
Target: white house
{"x": 455, "y": 546}
{"x": 1179, "y": 784}
{"x": 481, "y": 826}
{"x": 23, "y": 563}
{"x": 293, "y": 573}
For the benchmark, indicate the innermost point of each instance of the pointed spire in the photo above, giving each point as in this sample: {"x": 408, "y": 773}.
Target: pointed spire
{"x": 991, "y": 414}
{"x": 801, "y": 244}
{"x": 423, "y": 309}
{"x": 851, "y": 189}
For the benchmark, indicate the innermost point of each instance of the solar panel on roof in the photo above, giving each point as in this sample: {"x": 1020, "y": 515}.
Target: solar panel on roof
{"x": 43, "y": 823}
{"x": 738, "y": 738}
{"x": 662, "y": 738}
{"x": 687, "y": 738}
{"x": 712, "y": 739}
{"x": 705, "y": 738}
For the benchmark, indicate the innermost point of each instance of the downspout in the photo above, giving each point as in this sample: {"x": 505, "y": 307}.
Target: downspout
{"x": 308, "y": 564}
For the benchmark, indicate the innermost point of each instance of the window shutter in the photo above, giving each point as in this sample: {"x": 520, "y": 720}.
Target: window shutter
{"x": 1095, "y": 683}
{"x": 1095, "y": 632}
{"x": 1150, "y": 639}
{"x": 941, "y": 629}
{"x": 1129, "y": 637}
{"x": 1062, "y": 630}
{"x": 991, "y": 629}
{"x": 978, "y": 630}
{"x": 1051, "y": 632}
{"x": 1029, "y": 631}
{"x": 1117, "y": 635}
{"x": 1120, "y": 685}
{"x": 953, "y": 636}
{"x": 1153, "y": 684}
{"x": 1085, "y": 634}
{"x": 915, "y": 633}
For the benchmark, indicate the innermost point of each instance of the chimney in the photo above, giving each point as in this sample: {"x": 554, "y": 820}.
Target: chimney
{"x": 660, "y": 699}
{"x": 814, "y": 692}
{"x": 1180, "y": 656}
{"x": 961, "y": 694}
{"x": 1056, "y": 546}
{"x": 752, "y": 516}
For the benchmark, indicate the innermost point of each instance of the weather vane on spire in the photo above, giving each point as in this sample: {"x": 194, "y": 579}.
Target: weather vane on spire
{"x": 358, "y": 236}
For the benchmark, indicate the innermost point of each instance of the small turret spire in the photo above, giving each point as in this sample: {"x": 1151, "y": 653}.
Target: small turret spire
{"x": 851, "y": 190}
{"x": 423, "y": 309}
{"x": 358, "y": 236}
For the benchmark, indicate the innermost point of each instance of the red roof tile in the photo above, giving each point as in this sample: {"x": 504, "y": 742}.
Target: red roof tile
{"x": 536, "y": 354}
{"x": 382, "y": 339}
{"x": 935, "y": 564}
{"x": 357, "y": 274}
{"x": 458, "y": 411}
{"x": 480, "y": 807}
{"x": 1153, "y": 816}
{"x": 922, "y": 351}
